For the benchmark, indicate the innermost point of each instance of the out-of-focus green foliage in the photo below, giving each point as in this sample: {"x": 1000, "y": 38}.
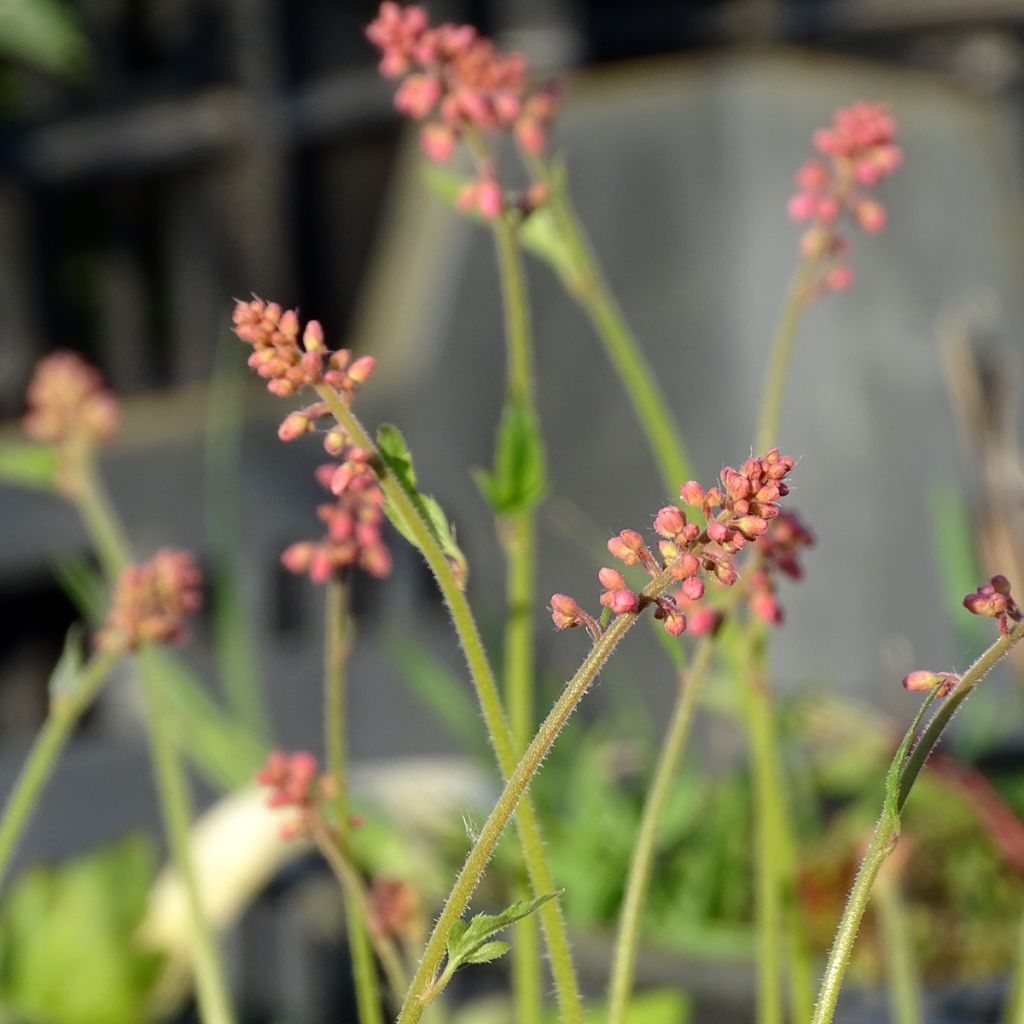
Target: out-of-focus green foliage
{"x": 68, "y": 953}
{"x": 44, "y": 34}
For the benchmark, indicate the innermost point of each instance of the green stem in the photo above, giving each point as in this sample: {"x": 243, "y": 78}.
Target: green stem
{"x": 797, "y": 298}
{"x": 559, "y": 955}
{"x": 514, "y": 791}
{"x": 65, "y": 711}
{"x": 588, "y": 287}
{"x": 336, "y": 649}
{"x": 100, "y": 519}
{"x": 897, "y": 950}
{"x": 1013, "y": 1012}
{"x": 211, "y": 985}
{"x": 903, "y": 773}
{"x": 359, "y": 908}
{"x": 517, "y": 311}
{"x": 627, "y": 939}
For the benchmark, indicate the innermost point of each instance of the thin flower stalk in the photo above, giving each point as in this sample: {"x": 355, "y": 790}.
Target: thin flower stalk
{"x": 638, "y": 880}
{"x": 559, "y": 954}
{"x": 66, "y": 709}
{"x": 587, "y": 285}
{"x": 336, "y": 651}
{"x": 514, "y": 791}
{"x": 903, "y": 774}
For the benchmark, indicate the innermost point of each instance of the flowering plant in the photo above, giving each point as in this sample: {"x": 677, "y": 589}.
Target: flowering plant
{"x": 708, "y": 573}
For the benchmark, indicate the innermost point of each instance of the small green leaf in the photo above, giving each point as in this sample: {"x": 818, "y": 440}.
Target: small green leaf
{"x": 455, "y": 934}
{"x": 519, "y": 480}
{"x": 444, "y": 183}
{"x": 69, "y": 666}
{"x": 487, "y": 952}
{"x": 477, "y": 933}
{"x": 394, "y": 452}
{"x": 28, "y": 465}
{"x": 540, "y": 234}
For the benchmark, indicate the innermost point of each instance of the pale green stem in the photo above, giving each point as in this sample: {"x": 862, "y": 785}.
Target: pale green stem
{"x": 897, "y": 950}
{"x": 559, "y": 955}
{"x": 211, "y": 985}
{"x": 65, "y": 711}
{"x": 800, "y": 290}
{"x": 589, "y": 288}
{"x": 172, "y": 788}
{"x": 359, "y": 907}
{"x": 336, "y": 650}
{"x": 906, "y": 769}
{"x": 638, "y": 880}
{"x": 515, "y": 788}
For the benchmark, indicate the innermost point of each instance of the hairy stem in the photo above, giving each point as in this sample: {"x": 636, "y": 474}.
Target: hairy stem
{"x": 494, "y": 716}
{"x": 514, "y": 790}
{"x": 903, "y": 774}
{"x": 638, "y": 880}
{"x": 65, "y": 711}
{"x": 336, "y": 650}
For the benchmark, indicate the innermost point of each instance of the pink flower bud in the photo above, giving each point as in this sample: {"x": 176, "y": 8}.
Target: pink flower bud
{"x": 293, "y": 425}
{"x": 718, "y": 532}
{"x": 313, "y": 337}
{"x": 489, "y": 199}
{"x": 751, "y": 527}
{"x": 334, "y": 442}
{"x": 687, "y": 566}
{"x": 870, "y": 216}
{"x": 361, "y": 369}
{"x": 839, "y": 278}
{"x": 565, "y": 612}
{"x": 725, "y": 572}
{"x": 802, "y": 206}
{"x": 692, "y": 493}
{"x": 622, "y": 602}
{"x": 612, "y": 579}
{"x": 923, "y": 681}
{"x": 437, "y": 141}
{"x": 693, "y": 588}
{"x": 674, "y": 623}
{"x": 296, "y": 558}
{"x": 669, "y": 521}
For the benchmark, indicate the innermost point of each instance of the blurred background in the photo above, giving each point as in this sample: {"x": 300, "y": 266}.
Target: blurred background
{"x": 160, "y": 157}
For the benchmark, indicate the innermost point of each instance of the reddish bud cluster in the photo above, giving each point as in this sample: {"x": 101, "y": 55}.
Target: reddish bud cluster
{"x": 353, "y": 524}
{"x": 923, "y": 681}
{"x": 68, "y": 403}
{"x": 287, "y": 365}
{"x": 778, "y": 547}
{"x": 738, "y": 511}
{"x": 295, "y": 781}
{"x": 859, "y": 152}
{"x": 151, "y": 601}
{"x": 455, "y": 80}
{"x": 993, "y": 599}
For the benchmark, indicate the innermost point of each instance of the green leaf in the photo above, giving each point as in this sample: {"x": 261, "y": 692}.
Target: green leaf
{"x": 395, "y": 454}
{"x": 487, "y": 952}
{"x": 69, "y": 666}
{"x": 28, "y": 465}
{"x": 44, "y": 33}
{"x": 455, "y": 934}
{"x": 477, "y": 933}
{"x": 541, "y": 236}
{"x": 519, "y": 480}
{"x": 446, "y": 184}
{"x": 86, "y": 588}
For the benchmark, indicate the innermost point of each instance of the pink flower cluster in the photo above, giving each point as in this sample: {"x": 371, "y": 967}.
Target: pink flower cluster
{"x": 778, "y": 547}
{"x": 67, "y": 402}
{"x": 353, "y": 523}
{"x": 295, "y": 781}
{"x": 994, "y": 600}
{"x": 456, "y": 82}
{"x": 284, "y": 363}
{"x": 151, "y": 602}
{"x": 739, "y": 511}
{"x": 859, "y": 152}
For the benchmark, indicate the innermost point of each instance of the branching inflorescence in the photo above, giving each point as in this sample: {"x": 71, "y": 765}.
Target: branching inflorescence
{"x": 461, "y": 86}
{"x": 743, "y": 509}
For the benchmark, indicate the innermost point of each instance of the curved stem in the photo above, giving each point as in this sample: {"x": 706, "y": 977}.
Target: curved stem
{"x": 490, "y": 703}
{"x": 511, "y": 795}
{"x": 211, "y": 985}
{"x": 336, "y": 649}
{"x": 65, "y": 711}
{"x": 100, "y": 519}
{"x": 359, "y": 908}
{"x": 638, "y": 880}
{"x": 903, "y": 773}
{"x": 587, "y": 286}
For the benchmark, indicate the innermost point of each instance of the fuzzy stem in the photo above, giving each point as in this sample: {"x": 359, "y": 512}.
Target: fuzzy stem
{"x": 480, "y": 672}
{"x": 99, "y": 517}
{"x": 359, "y": 907}
{"x": 211, "y": 985}
{"x": 903, "y": 774}
{"x": 797, "y": 298}
{"x": 336, "y": 650}
{"x": 588, "y": 287}
{"x": 65, "y": 711}
{"x": 511, "y": 795}
{"x": 637, "y": 882}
